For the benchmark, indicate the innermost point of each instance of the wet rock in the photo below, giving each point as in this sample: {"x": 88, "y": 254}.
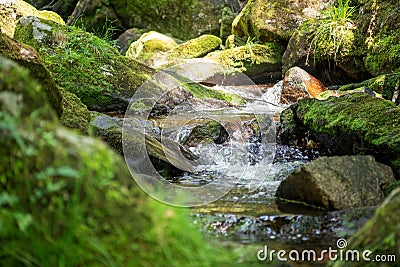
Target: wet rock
{"x": 110, "y": 129}
{"x": 262, "y": 63}
{"x": 299, "y": 84}
{"x": 336, "y": 183}
{"x": 353, "y": 124}
{"x": 275, "y": 20}
{"x": 63, "y": 190}
{"x": 378, "y": 235}
{"x": 149, "y": 45}
{"x": 129, "y": 36}
{"x": 84, "y": 64}
{"x": 12, "y": 10}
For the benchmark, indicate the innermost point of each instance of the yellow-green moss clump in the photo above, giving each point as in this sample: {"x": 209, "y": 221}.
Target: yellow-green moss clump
{"x": 84, "y": 64}
{"x": 195, "y": 48}
{"x": 252, "y": 59}
{"x": 11, "y": 11}
{"x": 149, "y": 44}
{"x": 69, "y": 200}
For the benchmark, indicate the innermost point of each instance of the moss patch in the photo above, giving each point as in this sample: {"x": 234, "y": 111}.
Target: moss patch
{"x": 84, "y": 64}
{"x": 69, "y": 200}
{"x": 355, "y": 123}
{"x": 251, "y": 59}
{"x": 29, "y": 58}
{"x": 194, "y": 48}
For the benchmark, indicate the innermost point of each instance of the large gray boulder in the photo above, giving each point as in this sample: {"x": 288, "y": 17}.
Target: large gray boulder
{"x": 336, "y": 183}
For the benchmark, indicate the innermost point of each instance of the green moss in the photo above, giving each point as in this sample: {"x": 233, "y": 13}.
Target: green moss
{"x": 29, "y": 58}
{"x": 76, "y": 115}
{"x": 203, "y": 92}
{"x": 379, "y": 233}
{"x": 149, "y": 44}
{"x": 252, "y": 58}
{"x": 69, "y": 200}
{"x": 373, "y": 122}
{"x": 84, "y": 64}
{"x": 198, "y": 47}
{"x": 161, "y": 15}
{"x": 385, "y": 84}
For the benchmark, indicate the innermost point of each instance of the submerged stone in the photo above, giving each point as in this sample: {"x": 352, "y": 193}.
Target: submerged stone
{"x": 336, "y": 183}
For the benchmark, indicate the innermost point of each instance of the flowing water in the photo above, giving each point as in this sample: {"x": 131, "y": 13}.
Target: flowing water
{"x": 249, "y": 214}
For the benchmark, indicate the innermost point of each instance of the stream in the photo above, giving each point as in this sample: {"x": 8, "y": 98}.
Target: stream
{"x": 236, "y": 151}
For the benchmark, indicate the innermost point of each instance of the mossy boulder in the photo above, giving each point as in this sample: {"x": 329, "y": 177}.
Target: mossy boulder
{"x": 262, "y": 63}
{"x": 371, "y": 47}
{"x": 84, "y": 64}
{"x": 275, "y": 20}
{"x": 353, "y": 124}
{"x": 149, "y": 45}
{"x": 72, "y": 112}
{"x": 68, "y": 199}
{"x": 337, "y": 183}
{"x": 30, "y": 59}
{"x": 195, "y": 48}
{"x": 377, "y": 37}
{"x": 129, "y": 36}
{"x": 378, "y": 235}
{"x": 385, "y": 84}
{"x": 12, "y": 10}
{"x": 179, "y": 54}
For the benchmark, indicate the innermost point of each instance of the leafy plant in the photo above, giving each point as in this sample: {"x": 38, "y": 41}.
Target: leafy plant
{"x": 333, "y": 37}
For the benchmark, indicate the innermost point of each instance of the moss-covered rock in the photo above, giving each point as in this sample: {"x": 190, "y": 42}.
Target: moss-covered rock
{"x": 195, "y": 48}
{"x": 29, "y": 58}
{"x": 12, "y": 10}
{"x": 386, "y": 84}
{"x": 337, "y": 183}
{"x": 72, "y": 112}
{"x": 129, "y": 36}
{"x": 354, "y": 124}
{"x": 84, "y": 64}
{"x": 261, "y": 63}
{"x": 274, "y": 20}
{"x": 149, "y": 45}
{"x": 379, "y": 235}
{"x": 377, "y": 35}
{"x": 68, "y": 199}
